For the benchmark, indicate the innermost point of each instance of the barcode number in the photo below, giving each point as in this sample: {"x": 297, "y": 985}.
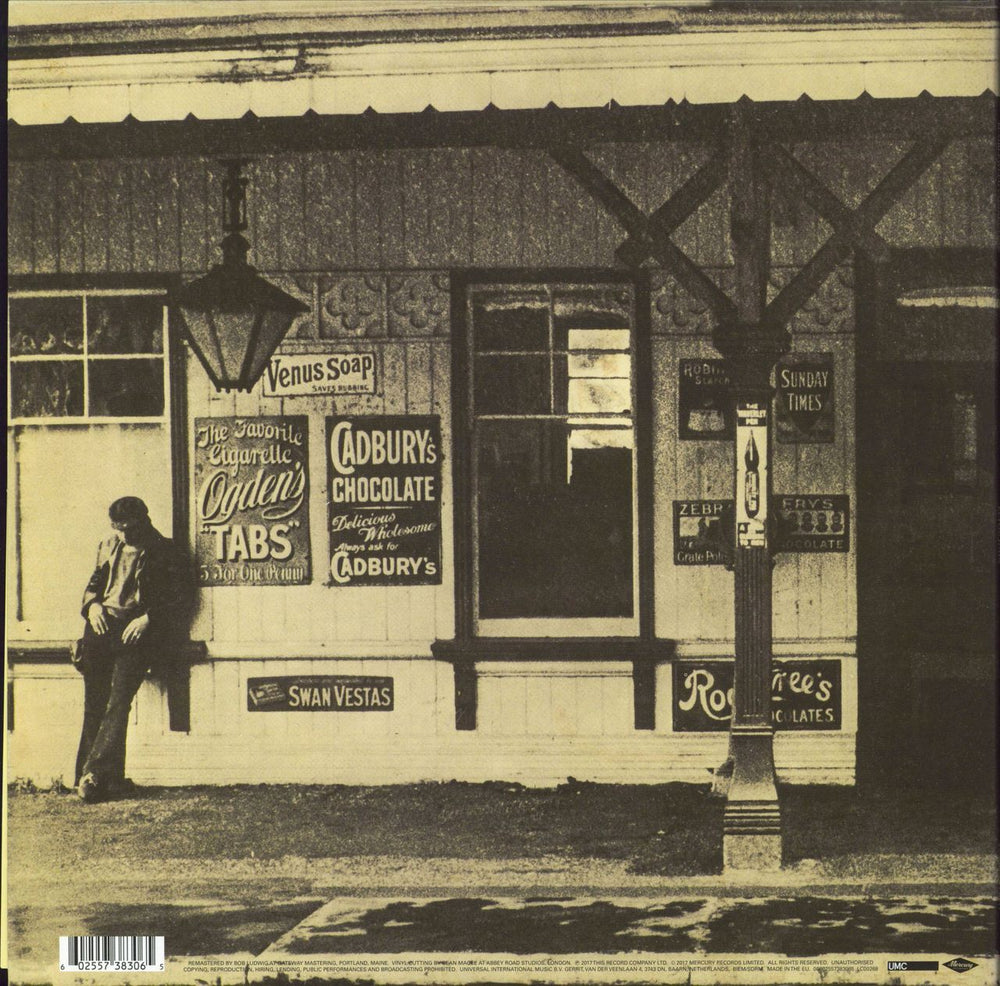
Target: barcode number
{"x": 111, "y": 953}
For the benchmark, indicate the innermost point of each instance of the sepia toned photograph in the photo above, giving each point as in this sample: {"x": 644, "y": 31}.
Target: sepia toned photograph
{"x": 501, "y": 491}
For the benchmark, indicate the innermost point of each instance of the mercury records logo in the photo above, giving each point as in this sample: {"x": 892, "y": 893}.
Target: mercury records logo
{"x": 961, "y": 965}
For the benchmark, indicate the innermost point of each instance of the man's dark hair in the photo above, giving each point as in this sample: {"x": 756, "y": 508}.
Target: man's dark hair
{"x": 128, "y": 508}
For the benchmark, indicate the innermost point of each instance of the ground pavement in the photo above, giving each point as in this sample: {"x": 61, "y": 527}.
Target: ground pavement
{"x": 245, "y": 916}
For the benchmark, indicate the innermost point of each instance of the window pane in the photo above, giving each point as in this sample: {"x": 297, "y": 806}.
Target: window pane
{"x": 124, "y": 324}
{"x": 126, "y": 388}
{"x": 600, "y": 339}
{"x": 600, "y": 365}
{"x": 554, "y": 522}
{"x": 592, "y": 308}
{"x": 590, "y": 396}
{"x": 512, "y": 385}
{"x": 49, "y": 388}
{"x": 511, "y": 321}
{"x": 46, "y": 326}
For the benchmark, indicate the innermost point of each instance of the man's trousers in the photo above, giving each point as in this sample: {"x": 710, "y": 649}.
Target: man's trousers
{"x": 112, "y": 673}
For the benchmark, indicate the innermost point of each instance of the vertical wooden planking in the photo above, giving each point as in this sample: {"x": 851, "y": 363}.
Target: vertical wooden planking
{"x": 436, "y": 196}
{"x": 290, "y": 221}
{"x": 143, "y": 213}
{"x": 20, "y": 218}
{"x": 394, "y": 377}
{"x": 41, "y": 182}
{"x": 571, "y": 221}
{"x": 121, "y": 235}
{"x": 459, "y": 200}
{"x": 982, "y": 190}
{"x": 214, "y": 174}
{"x": 513, "y": 705}
{"x": 367, "y": 209}
{"x": 315, "y": 212}
{"x": 483, "y": 207}
{"x": 952, "y": 202}
{"x": 192, "y": 190}
{"x": 440, "y": 396}
{"x": 69, "y": 215}
{"x": 264, "y": 213}
{"x": 168, "y": 228}
{"x": 534, "y": 215}
{"x": 392, "y": 212}
{"x": 672, "y": 170}
{"x": 94, "y": 219}
{"x": 418, "y": 378}
{"x": 664, "y": 428}
{"x": 415, "y": 218}
{"x": 808, "y": 232}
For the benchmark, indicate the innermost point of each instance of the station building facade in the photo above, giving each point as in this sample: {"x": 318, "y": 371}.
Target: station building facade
{"x": 475, "y": 520}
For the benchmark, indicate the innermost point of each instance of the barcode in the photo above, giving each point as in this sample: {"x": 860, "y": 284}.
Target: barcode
{"x": 96, "y": 953}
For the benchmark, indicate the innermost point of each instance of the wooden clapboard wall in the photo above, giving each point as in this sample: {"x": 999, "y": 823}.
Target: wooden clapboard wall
{"x": 441, "y": 208}
{"x": 359, "y": 235}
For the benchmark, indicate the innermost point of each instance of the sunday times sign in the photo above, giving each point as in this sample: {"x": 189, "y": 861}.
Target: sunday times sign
{"x": 384, "y": 483}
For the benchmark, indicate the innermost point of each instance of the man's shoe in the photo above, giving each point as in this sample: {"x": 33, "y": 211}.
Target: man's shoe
{"x": 88, "y": 789}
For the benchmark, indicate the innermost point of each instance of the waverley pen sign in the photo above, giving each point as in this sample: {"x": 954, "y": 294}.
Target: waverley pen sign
{"x": 384, "y": 482}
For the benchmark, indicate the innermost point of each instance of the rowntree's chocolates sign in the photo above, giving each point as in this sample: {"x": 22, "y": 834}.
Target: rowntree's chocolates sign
{"x": 252, "y": 500}
{"x": 384, "y": 482}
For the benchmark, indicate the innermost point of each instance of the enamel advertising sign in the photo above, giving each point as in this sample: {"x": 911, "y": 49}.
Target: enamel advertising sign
{"x": 704, "y": 398}
{"x": 252, "y": 500}
{"x": 384, "y": 482}
{"x": 301, "y": 374}
{"x": 812, "y": 522}
{"x": 320, "y": 693}
{"x": 805, "y": 695}
{"x": 804, "y": 403}
{"x": 751, "y": 474}
{"x": 703, "y": 532}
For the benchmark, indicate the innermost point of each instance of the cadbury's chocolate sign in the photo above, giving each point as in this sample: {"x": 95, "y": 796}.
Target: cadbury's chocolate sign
{"x": 384, "y": 482}
{"x": 252, "y": 500}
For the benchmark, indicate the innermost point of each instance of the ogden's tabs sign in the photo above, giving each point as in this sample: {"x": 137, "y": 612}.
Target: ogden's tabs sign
{"x": 384, "y": 482}
{"x": 252, "y": 500}
{"x": 302, "y": 374}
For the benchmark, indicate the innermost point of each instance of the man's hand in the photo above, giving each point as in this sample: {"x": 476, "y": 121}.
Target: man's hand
{"x": 95, "y": 617}
{"x": 134, "y": 631}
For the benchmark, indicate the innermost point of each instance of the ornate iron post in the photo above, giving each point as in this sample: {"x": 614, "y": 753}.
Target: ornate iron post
{"x": 751, "y": 822}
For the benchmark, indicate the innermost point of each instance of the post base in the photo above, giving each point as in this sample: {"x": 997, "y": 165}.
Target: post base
{"x": 759, "y": 853}
{"x": 751, "y": 836}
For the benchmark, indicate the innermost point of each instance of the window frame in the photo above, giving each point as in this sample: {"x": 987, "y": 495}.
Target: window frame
{"x": 543, "y": 630}
{"x": 87, "y": 359}
{"x": 174, "y": 419}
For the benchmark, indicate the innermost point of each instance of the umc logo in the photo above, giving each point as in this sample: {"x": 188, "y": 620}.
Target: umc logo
{"x": 960, "y": 965}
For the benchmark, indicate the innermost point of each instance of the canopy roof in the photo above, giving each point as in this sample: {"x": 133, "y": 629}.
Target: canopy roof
{"x": 285, "y": 60}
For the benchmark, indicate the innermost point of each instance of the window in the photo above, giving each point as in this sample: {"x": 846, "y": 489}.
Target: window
{"x": 89, "y": 422}
{"x": 87, "y": 356}
{"x": 552, "y": 459}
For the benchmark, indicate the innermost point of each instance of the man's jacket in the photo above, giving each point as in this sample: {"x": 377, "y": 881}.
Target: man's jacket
{"x": 164, "y": 585}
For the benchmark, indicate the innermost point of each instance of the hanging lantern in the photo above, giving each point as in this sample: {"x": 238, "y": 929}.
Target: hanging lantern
{"x": 235, "y": 319}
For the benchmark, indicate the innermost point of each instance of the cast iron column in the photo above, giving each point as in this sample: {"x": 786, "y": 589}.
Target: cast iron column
{"x": 751, "y": 822}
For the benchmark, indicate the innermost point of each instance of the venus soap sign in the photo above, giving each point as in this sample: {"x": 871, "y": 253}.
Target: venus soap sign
{"x": 252, "y": 500}
{"x": 384, "y": 482}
